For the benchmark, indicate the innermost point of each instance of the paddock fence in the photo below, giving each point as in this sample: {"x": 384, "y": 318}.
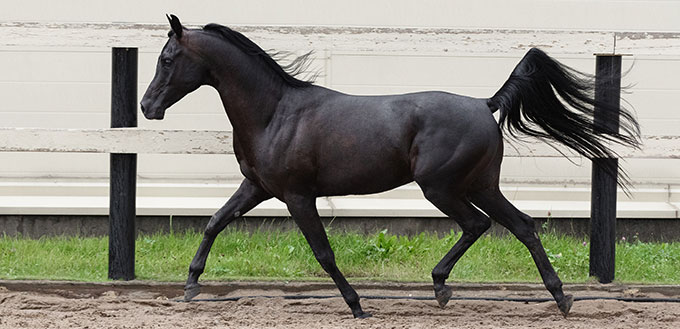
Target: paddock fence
{"x": 125, "y": 142}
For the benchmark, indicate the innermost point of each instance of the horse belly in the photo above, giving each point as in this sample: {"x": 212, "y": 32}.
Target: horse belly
{"x": 363, "y": 169}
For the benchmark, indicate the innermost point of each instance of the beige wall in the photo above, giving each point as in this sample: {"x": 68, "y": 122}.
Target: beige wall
{"x": 55, "y": 64}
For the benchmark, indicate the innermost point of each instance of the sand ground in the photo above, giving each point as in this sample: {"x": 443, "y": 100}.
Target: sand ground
{"x": 39, "y": 304}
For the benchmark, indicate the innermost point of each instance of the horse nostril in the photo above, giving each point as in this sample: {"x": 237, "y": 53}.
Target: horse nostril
{"x": 141, "y": 105}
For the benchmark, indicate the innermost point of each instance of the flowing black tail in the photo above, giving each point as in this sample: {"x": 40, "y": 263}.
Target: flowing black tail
{"x": 546, "y": 99}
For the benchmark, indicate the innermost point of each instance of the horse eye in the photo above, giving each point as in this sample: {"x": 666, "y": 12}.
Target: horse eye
{"x": 166, "y": 61}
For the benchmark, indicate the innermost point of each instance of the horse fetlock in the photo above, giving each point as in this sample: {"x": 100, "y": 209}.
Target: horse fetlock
{"x": 443, "y": 294}
{"x": 440, "y": 273}
{"x": 196, "y": 270}
{"x": 554, "y": 286}
{"x": 351, "y": 298}
{"x": 439, "y": 276}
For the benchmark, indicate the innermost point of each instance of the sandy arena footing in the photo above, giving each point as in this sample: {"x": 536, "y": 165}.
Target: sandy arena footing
{"x": 49, "y": 304}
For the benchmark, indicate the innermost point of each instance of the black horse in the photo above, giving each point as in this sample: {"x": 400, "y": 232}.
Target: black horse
{"x": 296, "y": 141}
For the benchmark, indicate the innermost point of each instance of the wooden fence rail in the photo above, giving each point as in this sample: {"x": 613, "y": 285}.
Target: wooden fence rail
{"x": 148, "y": 141}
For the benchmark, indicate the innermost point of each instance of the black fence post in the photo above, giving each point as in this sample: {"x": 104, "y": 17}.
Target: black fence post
{"x": 603, "y": 190}
{"x": 123, "y": 167}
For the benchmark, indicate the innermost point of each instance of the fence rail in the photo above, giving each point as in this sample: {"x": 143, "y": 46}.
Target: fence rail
{"x": 149, "y": 141}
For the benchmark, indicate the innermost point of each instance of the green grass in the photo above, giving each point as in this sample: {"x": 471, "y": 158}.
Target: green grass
{"x": 270, "y": 255}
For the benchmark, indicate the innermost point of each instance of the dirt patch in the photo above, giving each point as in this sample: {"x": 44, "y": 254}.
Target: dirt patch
{"x": 148, "y": 306}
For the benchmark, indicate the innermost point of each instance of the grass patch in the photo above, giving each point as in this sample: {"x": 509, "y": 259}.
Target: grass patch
{"x": 270, "y": 255}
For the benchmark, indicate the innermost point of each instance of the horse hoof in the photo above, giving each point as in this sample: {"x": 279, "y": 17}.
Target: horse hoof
{"x": 191, "y": 291}
{"x": 443, "y": 295}
{"x": 565, "y": 305}
{"x": 362, "y": 315}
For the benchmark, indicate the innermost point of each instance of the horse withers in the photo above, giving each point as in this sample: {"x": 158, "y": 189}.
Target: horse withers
{"x": 296, "y": 141}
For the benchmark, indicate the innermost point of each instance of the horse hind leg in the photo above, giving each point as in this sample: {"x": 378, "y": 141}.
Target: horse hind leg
{"x": 522, "y": 226}
{"x": 473, "y": 223}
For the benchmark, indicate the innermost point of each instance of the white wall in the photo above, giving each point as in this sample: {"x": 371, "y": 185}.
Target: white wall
{"x": 606, "y": 15}
{"x": 55, "y": 64}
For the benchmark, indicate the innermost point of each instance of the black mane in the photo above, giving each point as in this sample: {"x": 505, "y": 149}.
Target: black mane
{"x": 288, "y": 72}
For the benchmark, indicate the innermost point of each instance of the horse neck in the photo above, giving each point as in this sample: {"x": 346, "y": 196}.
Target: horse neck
{"x": 249, "y": 91}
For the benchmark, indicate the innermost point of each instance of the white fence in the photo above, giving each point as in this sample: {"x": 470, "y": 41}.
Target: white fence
{"x": 135, "y": 140}
{"x": 407, "y": 201}
{"x": 56, "y": 73}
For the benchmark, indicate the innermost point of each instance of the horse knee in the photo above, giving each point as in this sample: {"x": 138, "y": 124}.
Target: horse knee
{"x": 216, "y": 225}
{"x": 211, "y": 230}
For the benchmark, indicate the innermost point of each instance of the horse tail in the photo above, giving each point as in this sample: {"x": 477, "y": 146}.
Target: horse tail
{"x": 546, "y": 99}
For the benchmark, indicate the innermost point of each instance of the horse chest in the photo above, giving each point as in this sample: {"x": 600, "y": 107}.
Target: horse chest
{"x": 271, "y": 174}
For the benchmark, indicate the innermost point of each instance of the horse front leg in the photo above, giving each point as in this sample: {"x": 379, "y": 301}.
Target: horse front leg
{"x": 244, "y": 199}
{"x": 306, "y": 216}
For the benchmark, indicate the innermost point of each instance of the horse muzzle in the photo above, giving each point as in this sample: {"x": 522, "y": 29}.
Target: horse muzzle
{"x": 152, "y": 112}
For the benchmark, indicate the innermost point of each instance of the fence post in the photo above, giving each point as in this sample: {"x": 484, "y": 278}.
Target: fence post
{"x": 123, "y": 167}
{"x": 603, "y": 190}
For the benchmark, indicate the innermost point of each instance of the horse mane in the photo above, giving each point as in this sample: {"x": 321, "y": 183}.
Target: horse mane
{"x": 288, "y": 73}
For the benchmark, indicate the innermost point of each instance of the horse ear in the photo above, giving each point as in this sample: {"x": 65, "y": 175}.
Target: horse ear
{"x": 175, "y": 24}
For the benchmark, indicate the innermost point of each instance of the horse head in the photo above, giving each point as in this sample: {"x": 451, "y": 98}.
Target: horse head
{"x": 179, "y": 71}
